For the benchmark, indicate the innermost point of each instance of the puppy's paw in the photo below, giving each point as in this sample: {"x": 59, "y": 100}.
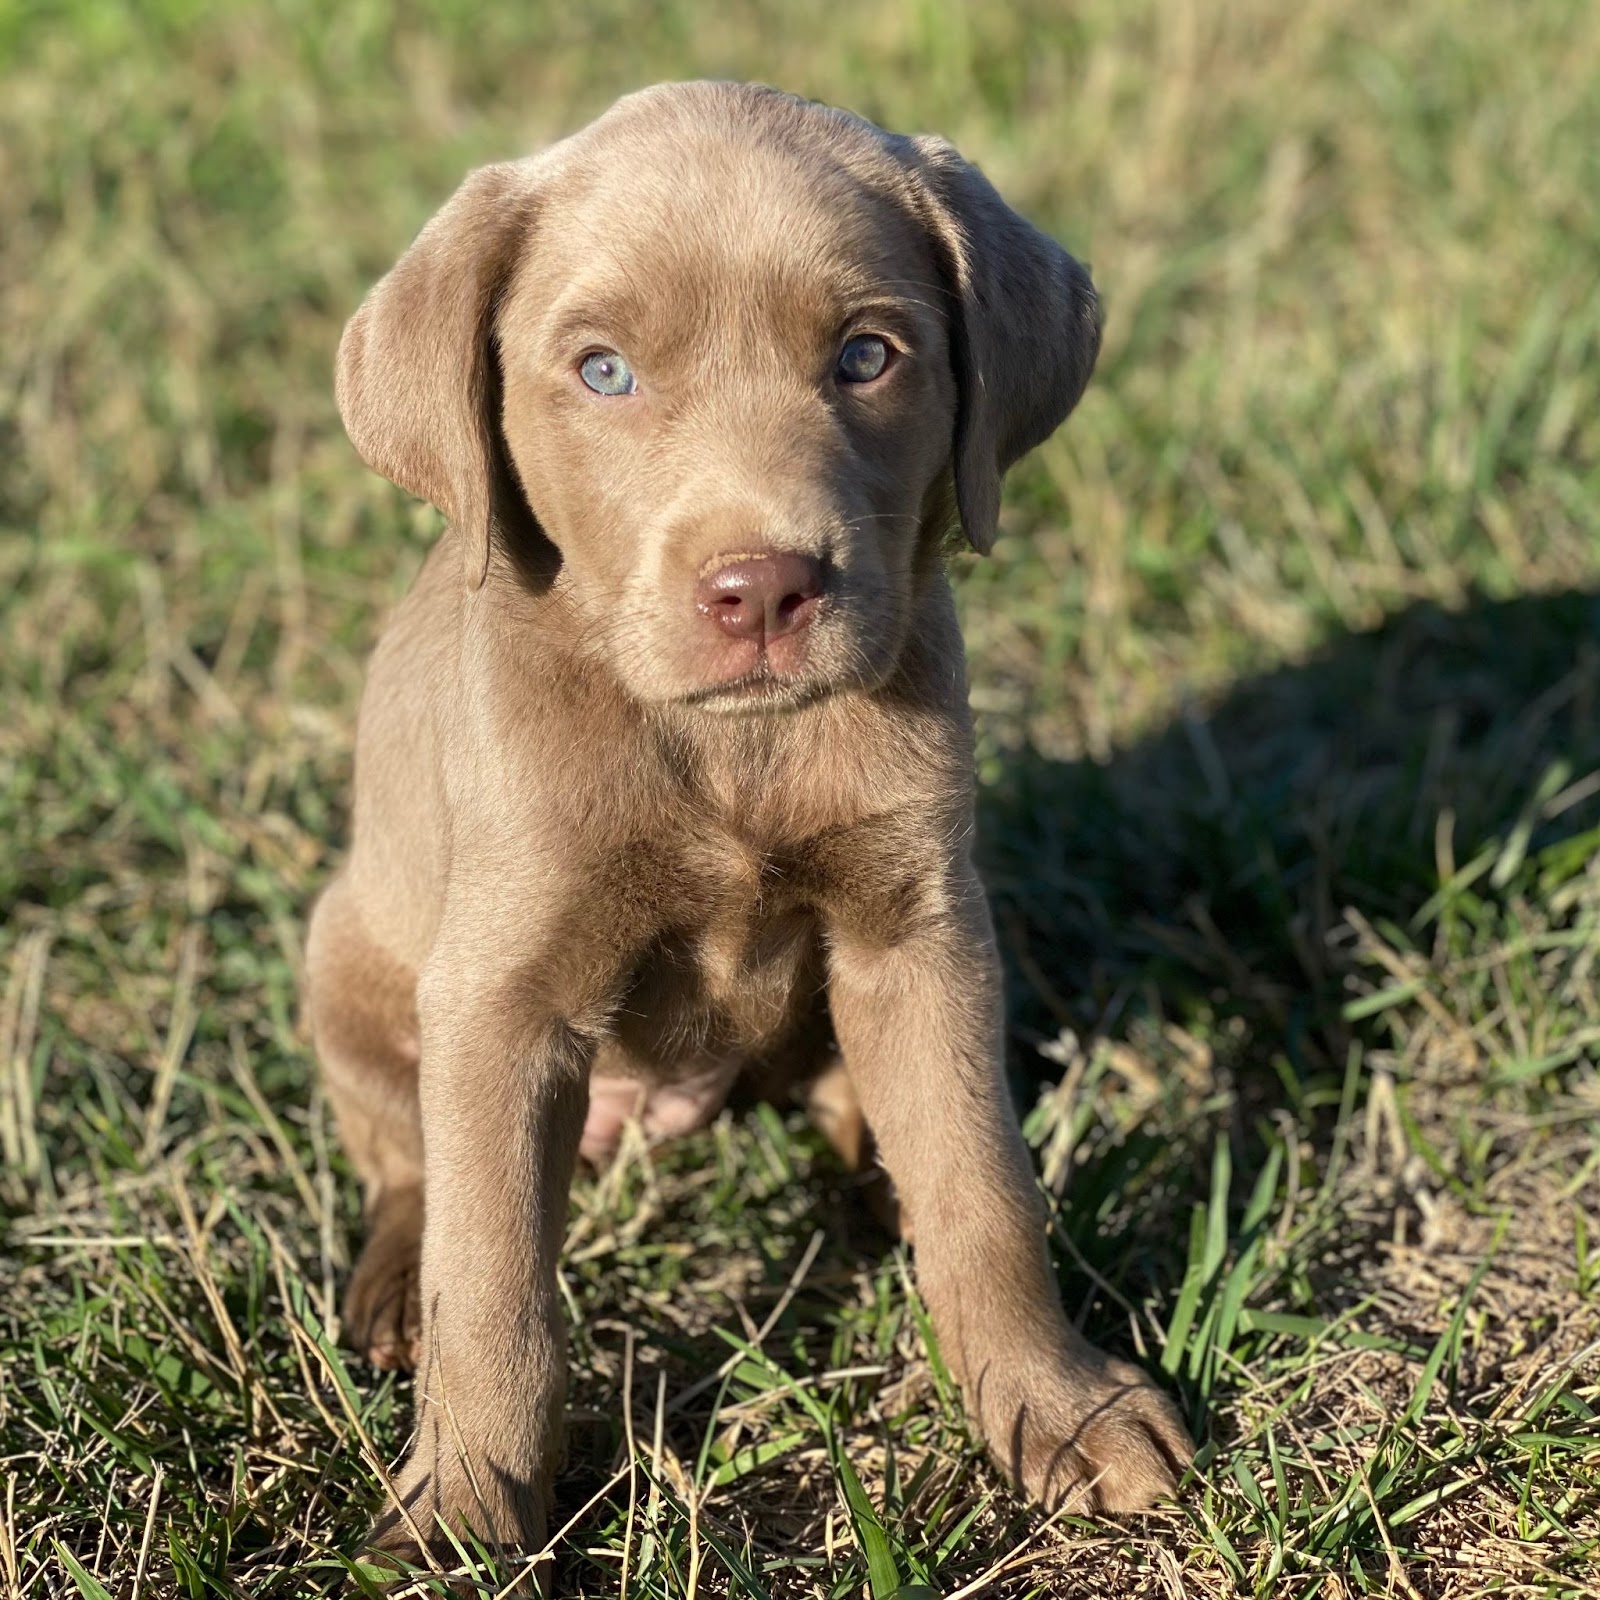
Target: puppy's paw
{"x": 1094, "y": 1434}
{"x": 382, "y": 1312}
{"x": 504, "y": 1515}
{"x": 405, "y": 1569}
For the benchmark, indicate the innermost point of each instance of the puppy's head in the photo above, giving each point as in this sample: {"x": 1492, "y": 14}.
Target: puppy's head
{"x": 728, "y": 353}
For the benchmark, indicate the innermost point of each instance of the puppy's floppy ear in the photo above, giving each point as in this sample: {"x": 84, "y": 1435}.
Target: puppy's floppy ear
{"x": 1025, "y": 328}
{"x": 418, "y": 381}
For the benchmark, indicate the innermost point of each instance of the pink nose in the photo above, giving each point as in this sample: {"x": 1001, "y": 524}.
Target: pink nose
{"x": 761, "y": 597}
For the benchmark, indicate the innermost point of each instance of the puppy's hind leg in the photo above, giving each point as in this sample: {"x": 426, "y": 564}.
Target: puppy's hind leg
{"x": 361, "y": 1003}
{"x": 834, "y": 1107}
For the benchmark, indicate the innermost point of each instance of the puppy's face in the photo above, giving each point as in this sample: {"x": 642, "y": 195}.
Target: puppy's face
{"x": 729, "y": 401}
{"x": 742, "y": 362}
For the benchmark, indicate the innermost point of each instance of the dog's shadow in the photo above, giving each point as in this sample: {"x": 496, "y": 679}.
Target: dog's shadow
{"x": 1185, "y": 911}
{"x": 1196, "y": 903}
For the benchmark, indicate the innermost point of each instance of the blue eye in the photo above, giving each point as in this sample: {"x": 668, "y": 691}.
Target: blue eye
{"x": 607, "y": 373}
{"x": 863, "y": 358}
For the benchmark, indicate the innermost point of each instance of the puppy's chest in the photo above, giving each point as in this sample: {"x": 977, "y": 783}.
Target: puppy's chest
{"x": 739, "y": 952}
{"x": 738, "y": 887}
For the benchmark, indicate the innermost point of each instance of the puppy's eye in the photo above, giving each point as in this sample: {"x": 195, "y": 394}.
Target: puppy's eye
{"x": 607, "y": 373}
{"x": 863, "y": 358}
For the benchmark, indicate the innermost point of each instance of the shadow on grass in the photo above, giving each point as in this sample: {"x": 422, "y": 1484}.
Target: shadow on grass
{"x": 1208, "y": 884}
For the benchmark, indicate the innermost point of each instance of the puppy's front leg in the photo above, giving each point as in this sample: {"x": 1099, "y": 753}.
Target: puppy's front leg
{"x": 504, "y": 1086}
{"x": 919, "y": 1024}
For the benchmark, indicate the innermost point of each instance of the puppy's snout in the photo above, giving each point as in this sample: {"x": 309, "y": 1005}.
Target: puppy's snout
{"x": 761, "y": 597}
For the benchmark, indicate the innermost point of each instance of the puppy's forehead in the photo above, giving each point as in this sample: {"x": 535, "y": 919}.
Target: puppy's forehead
{"x": 679, "y": 130}
{"x": 724, "y": 191}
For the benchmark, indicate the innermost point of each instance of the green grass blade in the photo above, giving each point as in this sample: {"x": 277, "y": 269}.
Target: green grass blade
{"x": 88, "y": 1586}
{"x": 883, "y": 1575}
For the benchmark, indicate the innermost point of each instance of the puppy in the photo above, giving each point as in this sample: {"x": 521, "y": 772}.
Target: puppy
{"x": 664, "y": 770}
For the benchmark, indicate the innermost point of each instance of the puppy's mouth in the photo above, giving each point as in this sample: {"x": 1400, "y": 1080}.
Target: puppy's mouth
{"x": 760, "y": 689}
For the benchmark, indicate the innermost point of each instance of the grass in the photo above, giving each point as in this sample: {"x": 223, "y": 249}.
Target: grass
{"x": 1288, "y": 673}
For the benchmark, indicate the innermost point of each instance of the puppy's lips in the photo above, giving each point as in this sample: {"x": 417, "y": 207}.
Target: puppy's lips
{"x": 754, "y": 681}
{"x": 758, "y": 688}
